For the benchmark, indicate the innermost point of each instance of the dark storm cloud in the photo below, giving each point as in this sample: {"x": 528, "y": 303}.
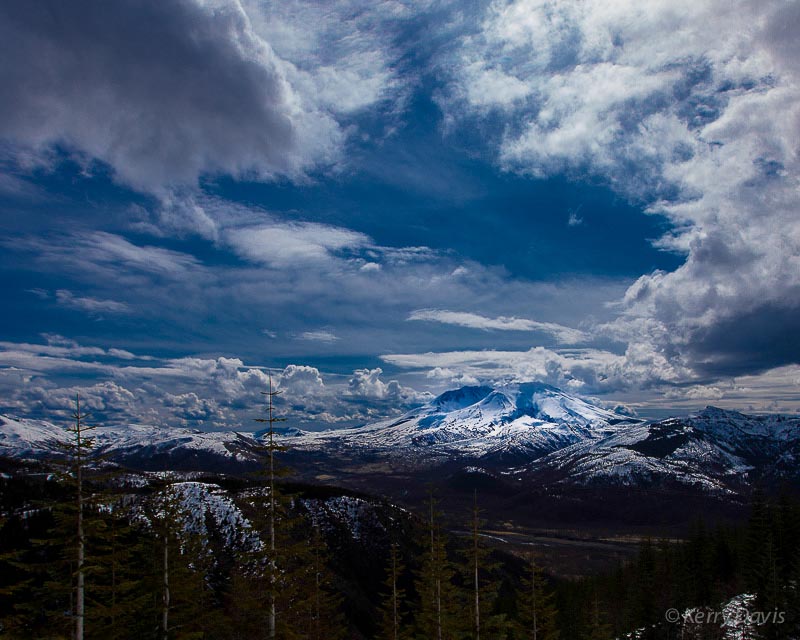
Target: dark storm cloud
{"x": 753, "y": 342}
{"x": 162, "y": 91}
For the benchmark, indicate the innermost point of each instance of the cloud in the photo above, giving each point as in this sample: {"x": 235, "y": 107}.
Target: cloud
{"x": 163, "y": 92}
{"x": 320, "y": 335}
{"x": 106, "y": 255}
{"x": 476, "y": 321}
{"x": 366, "y": 384}
{"x": 293, "y": 243}
{"x": 215, "y": 393}
{"x": 691, "y": 110}
{"x": 584, "y": 370}
{"x": 300, "y": 380}
{"x": 339, "y": 54}
{"x": 574, "y": 220}
{"x": 92, "y": 306}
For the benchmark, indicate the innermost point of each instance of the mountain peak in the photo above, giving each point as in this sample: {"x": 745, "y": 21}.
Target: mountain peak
{"x": 459, "y": 398}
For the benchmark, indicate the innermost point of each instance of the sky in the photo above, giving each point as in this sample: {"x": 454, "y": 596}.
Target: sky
{"x": 374, "y": 201}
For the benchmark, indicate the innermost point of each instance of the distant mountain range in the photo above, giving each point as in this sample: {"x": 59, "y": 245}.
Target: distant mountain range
{"x": 524, "y": 432}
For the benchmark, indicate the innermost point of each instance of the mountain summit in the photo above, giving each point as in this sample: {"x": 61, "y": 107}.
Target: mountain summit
{"x": 511, "y": 422}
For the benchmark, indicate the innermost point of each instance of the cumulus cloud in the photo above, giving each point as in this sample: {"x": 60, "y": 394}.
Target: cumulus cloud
{"x": 301, "y": 380}
{"x": 42, "y": 380}
{"x": 580, "y": 370}
{"x": 502, "y": 323}
{"x": 367, "y": 384}
{"x": 693, "y": 110}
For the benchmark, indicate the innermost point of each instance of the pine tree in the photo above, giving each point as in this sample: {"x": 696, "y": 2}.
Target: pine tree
{"x": 117, "y": 598}
{"x": 282, "y": 580}
{"x": 78, "y": 451}
{"x": 317, "y": 615}
{"x": 183, "y": 604}
{"x": 436, "y": 616}
{"x": 392, "y": 624}
{"x": 536, "y": 606}
{"x": 598, "y": 622}
{"x": 271, "y": 448}
{"x": 483, "y": 587}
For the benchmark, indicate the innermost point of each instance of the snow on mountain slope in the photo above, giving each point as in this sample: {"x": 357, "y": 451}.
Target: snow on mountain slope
{"x": 206, "y": 504}
{"x": 34, "y": 438}
{"x": 715, "y": 450}
{"x": 530, "y": 429}
{"x": 514, "y": 421}
{"x": 21, "y": 438}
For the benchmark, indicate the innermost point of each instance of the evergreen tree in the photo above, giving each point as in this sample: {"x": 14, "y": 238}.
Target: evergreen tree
{"x": 318, "y": 614}
{"x": 77, "y": 452}
{"x": 118, "y": 598}
{"x": 185, "y": 608}
{"x": 436, "y": 616}
{"x": 272, "y": 566}
{"x": 537, "y": 613}
{"x": 481, "y": 585}
{"x": 392, "y": 608}
{"x": 599, "y": 628}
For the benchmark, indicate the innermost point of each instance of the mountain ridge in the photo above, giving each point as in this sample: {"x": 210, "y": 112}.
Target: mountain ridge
{"x": 527, "y": 430}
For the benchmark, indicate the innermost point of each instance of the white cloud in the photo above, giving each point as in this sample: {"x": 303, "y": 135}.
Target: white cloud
{"x": 293, "y": 243}
{"x": 574, "y": 220}
{"x": 582, "y": 370}
{"x": 301, "y": 380}
{"x": 221, "y": 392}
{"x": 561, "y": 333}
{"x": 367, "y": 383}
{"x": 320, "y": 335}
{"x": 692, "y": 108}
{"x": 90, "y": 305}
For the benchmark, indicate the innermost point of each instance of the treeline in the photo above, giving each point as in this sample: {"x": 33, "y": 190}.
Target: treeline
{"x": 147, "y": 576}
{"x": 709, "y": 567}
{"x": 88, "y": 553}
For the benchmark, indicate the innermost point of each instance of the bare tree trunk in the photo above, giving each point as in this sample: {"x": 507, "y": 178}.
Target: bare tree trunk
{"x": 477, "y": 584}
{"x": 271, "y": 514}
{"x": 395, "y": 621}
{"x": 271, "y": 420}
{"x": 166, "y": 595}
{"x": 435, "y": 567}
{"x": 79, "y": 595}
{"x": 439, "y": 608}
{"x": 533, "y": 599}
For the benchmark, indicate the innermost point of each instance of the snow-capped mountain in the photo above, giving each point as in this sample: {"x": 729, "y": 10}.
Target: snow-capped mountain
{"x": 508, "y": 424}
{"x": 523, "y": 431}
{"x": 716, "y": 450}
{"x": 140, "y": 446}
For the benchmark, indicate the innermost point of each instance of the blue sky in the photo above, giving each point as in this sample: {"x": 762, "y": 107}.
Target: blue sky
{"x": 377, "y": 201}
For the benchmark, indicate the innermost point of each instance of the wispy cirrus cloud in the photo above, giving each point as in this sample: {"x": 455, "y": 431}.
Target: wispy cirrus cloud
{"x": 320, "y": 335}
{"x": 293, "y": 243}
{"x": 90, "y": 305}
{"x": 562, "y": 334}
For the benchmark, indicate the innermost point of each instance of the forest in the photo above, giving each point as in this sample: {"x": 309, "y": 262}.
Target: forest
{"x": 88, "y": 550}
